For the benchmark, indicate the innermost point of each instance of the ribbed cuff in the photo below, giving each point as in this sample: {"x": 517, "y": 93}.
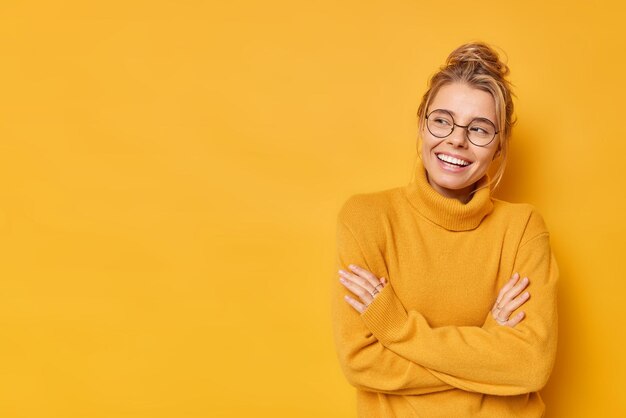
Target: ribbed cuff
{"x": 385, "y": 317}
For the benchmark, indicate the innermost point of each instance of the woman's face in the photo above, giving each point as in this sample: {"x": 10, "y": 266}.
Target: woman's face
{"x": 464, "y": 103}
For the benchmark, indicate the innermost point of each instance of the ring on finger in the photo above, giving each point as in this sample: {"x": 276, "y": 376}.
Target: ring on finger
{"x": 379, "y": 284}
{"x": 501, "y": 321}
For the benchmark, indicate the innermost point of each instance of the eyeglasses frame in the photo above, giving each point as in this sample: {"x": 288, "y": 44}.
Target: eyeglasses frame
{"x": 460, "y": 126}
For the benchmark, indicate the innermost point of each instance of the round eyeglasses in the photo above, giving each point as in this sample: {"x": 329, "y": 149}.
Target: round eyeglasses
{"x": 480, "y": 131}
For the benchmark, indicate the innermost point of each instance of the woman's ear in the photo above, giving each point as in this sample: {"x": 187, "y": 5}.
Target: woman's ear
{"x": 418, "y": 145}
{"x": 497, "y": 153}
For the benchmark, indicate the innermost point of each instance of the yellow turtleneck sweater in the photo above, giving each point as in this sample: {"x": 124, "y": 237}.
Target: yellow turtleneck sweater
{"x": 428, "y": 346}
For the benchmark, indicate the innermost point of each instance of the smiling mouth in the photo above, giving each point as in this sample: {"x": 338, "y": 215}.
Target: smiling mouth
{"x": 452, "y": 161}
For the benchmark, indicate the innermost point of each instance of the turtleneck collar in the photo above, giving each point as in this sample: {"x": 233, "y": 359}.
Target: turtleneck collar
{"x": 447, "y": 212}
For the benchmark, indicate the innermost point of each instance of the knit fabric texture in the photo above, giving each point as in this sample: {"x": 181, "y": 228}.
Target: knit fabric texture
{"x": 427, "y": 345}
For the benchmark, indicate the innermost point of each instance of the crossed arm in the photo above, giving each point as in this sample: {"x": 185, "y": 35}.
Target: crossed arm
{"x": 386, "y": 349}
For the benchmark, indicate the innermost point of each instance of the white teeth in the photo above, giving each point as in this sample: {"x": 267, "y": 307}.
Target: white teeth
{"x": 452, "y": 160}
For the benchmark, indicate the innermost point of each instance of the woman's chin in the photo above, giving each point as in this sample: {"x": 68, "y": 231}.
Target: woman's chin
{"x": 450, "y": 187}
{"x": 454, "y": 182}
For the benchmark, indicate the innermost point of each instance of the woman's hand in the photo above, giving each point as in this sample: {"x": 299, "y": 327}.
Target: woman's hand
{"x": 362, "y": 283}
{"x": 509, "y": 300}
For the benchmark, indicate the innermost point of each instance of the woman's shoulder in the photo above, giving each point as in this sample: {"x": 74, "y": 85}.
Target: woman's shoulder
{"x": 526, "y": 215}
{"x": 364, "y": 207}
{"x": 512, "y": 208}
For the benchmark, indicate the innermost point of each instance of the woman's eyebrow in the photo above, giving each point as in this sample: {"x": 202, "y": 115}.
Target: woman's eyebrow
{"x": 475, "y": 117}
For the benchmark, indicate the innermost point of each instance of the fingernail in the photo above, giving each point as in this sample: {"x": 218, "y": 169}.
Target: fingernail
{"x": 352, "y": 267}
{"x": 343, "y": 273}
{"x": 342, "y": 280}
{"x": 526, "y": 294}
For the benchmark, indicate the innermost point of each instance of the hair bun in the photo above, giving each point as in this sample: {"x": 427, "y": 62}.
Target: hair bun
{"x": 478, "y": 54}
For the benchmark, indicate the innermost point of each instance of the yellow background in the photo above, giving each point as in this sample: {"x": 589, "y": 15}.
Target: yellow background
{"x": 170, "y": 173}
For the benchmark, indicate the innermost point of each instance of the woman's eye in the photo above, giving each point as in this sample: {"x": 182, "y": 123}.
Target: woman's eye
{"x": 441, "y": 121}
{"x": 481, "y": 130}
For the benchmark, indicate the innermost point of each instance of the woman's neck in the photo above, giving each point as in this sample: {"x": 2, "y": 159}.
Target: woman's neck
{"x": 451, "y": 214}
{"x": 462, "y": 195}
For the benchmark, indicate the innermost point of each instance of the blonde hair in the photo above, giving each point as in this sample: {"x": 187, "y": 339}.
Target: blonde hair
{"x": 477, "y": 65}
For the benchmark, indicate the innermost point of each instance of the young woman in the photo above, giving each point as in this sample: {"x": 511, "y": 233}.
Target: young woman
{"x": 432, "y": 313}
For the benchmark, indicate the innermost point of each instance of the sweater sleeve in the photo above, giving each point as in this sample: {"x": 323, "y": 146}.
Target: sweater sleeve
{"x": 491, "y": 359}
{"x": 366, "y": 363}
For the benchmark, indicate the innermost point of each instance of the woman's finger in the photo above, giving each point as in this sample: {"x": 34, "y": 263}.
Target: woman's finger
{"x": 365, "y": 274}
{"x": 359, "y": 281}
{"x": 513, "y": 292}
{"x": 515, "y": 320}
{"x": 355, "y": 304}
{"x": 510, "y": 307}
{"x": 365, "y": 295}
{"x": 510, "y": 299}
{"x": 507, "y": 286}
{"x": 363, "y": 284}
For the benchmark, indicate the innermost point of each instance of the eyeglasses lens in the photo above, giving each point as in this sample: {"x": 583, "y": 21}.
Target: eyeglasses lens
{"x": 480, "y": 131}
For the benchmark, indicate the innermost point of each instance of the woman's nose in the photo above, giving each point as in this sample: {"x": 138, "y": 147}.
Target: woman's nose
{"x": 458, "y": 137}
